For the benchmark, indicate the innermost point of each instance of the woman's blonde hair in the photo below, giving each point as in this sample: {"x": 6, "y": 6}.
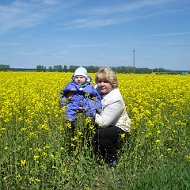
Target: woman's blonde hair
{"x": 106, "y": 74}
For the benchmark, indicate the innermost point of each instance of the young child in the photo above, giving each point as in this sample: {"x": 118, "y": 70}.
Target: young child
{"x": 80, "y": 95}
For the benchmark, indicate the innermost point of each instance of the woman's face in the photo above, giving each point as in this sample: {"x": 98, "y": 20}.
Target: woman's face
{"x": 104, "y": 86}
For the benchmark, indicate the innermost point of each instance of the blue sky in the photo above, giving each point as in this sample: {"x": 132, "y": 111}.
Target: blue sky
{"x": 95, "y": 32}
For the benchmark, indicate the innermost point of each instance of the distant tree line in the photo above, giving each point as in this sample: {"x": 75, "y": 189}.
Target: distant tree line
{"x": 65, "y": 68}
{"x": 4, "y": 68}
{"x": 93, "y": 69}
{"x": 118, "y": 69}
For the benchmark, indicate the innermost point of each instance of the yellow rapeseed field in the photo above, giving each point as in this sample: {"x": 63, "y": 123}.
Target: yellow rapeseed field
{"x": 32, "y": 125}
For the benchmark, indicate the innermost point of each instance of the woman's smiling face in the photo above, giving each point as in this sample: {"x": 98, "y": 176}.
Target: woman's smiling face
{"x": 104, "y": 86}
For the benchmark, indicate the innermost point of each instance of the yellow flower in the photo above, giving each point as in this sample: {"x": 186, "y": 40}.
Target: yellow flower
{"x": 79, "y": 133}
{"x": 88, "y": 120}
{"x": 22, "y": 162}
{"x": 157, "y": 141}
{"x": 122, "y": 136}
{"x": 37, "y": 180}
{"x": 44, "y": 154}
{"x": 23, "y": 129}
{"x": 68, "y": 125}
{"x": 18, "y": 176}
{"x": 2, "y": 130}
{"x": 47, "y": 146}
{"x": 36, "y": 157}
{"x": 187, "y": 157}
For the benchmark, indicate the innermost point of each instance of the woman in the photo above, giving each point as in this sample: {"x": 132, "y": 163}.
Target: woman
{"x": 113, "y": 121}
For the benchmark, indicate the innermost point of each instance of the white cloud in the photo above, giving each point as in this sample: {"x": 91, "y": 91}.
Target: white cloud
{"x": 22, "y": 14}
{"x": 74, "y": 14}
{"x": 119, "y": 13}
{"x": 172, "y": 34}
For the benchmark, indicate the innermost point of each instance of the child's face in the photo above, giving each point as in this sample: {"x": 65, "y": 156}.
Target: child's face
{"x": 79, "y": 79}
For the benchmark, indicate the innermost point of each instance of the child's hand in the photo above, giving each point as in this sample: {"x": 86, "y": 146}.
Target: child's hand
{"x": 80, "y": 110}
{"x": 70, "y": 95}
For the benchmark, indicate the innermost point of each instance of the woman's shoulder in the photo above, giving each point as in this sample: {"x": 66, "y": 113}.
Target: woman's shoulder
{"x": 115, "y": 92}
{"x": 114, "y": 95}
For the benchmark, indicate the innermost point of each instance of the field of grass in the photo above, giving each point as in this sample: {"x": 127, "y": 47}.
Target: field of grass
{"x": 37, "y": 152}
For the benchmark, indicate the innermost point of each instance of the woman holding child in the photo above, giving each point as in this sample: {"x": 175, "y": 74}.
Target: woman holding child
{"x": 113, "y": 121}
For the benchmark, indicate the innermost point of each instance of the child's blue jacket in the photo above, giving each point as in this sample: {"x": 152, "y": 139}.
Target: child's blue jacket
{"x": 85, "y": 97}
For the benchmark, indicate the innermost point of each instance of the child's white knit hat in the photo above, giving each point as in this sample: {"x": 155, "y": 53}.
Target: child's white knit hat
{"x": 81, "y": 71}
